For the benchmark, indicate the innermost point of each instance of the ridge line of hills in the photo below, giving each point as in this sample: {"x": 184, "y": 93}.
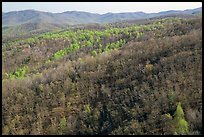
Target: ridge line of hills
{"x": 19, "y": 23}
{"x": 79, "y": 17}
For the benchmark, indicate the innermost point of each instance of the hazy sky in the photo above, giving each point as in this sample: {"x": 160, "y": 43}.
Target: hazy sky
{"x": 99, "y": 7}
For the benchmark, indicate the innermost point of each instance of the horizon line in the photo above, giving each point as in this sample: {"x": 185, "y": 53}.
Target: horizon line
{"x": 97, "y": 13}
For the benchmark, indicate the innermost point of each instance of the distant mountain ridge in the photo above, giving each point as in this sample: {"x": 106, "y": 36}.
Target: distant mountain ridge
{"x": 78, "y": 17}
{"x": 17, "y": 23}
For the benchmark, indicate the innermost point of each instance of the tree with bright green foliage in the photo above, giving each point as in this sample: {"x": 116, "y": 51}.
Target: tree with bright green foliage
{"x": 181, "y": 125}
{"x": 94, "y": 53}
{"x": 19, "y": 73}
{"x": 178, "y": 124}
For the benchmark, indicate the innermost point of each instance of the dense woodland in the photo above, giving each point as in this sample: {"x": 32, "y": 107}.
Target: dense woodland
{"x": 125, "y": 78}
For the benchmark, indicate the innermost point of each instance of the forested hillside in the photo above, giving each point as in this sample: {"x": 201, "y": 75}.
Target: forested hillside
{"x": 123, "y": 78}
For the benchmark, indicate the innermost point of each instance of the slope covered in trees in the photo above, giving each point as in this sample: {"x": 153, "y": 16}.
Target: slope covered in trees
{"x": 113, "y": 79}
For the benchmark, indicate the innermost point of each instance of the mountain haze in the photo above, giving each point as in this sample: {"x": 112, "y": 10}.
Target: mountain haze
{"x": 78, "y": 17}
{"x": 17, "y": 23}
